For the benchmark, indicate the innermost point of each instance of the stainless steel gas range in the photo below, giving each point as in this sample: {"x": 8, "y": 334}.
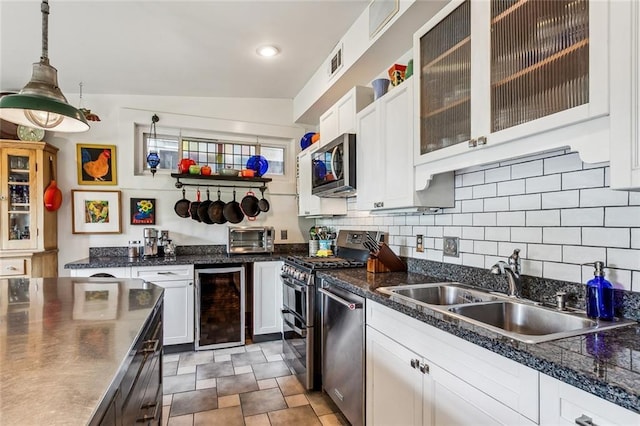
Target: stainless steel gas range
{"x": 302, "y": 302}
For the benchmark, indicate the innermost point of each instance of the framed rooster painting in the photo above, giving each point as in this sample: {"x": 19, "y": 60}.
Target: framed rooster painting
{"x": 96, "y": 164}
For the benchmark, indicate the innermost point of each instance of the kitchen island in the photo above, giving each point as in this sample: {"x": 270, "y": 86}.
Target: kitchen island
{"x": 69, "y": 349}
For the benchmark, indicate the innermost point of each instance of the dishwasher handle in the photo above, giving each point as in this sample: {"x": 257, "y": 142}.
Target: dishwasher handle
{"x": 350, "y": 305}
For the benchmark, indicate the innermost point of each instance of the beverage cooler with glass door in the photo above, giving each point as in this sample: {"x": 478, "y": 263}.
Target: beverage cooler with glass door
{"x": 220, "y": 307}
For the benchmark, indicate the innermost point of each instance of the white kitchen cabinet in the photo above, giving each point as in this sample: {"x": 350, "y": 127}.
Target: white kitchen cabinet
{"x": 309, "y": 204}
{"x": 385, "y": 174}
{"x": 518, "y": 78}
{"x": 179, "y": 315}
{"x": 121, "y": 272}
{"x": 625, "y": 95}
{"x": 341, "y": 117}
{"x": 457, "y": 381}
{"x": 267, "y": 297}
{"x": 563, "y": 404}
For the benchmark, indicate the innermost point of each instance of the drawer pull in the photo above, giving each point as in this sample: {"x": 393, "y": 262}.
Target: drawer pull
{"x": 150, "y": 346}
{"x": 585, "y": 420}
{"x": 424, "y": 368}
{"x": 166, "y": 273}
{"x": 147, "y": 417}
{"x": 415, "y": 363}
{"x": 11, "y": 268}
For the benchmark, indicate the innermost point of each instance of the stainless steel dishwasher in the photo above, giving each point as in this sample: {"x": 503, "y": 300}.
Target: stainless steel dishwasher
{"x": 343, "y": 350}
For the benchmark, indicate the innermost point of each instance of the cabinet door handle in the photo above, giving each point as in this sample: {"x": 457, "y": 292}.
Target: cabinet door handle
{"x": 415, "y": 363}
{"x": 165, "y": 273}
{"x": 585, "y": 420}
{"x": 424, "y": 368}
{"x": 482, "y": 140}
{"x": 150, "y": 346}
{"x": 472, "y": 143}
{"x": 3, "y": 197}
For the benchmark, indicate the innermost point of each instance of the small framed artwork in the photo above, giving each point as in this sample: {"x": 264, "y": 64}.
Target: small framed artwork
{"x": 96, "y": 164}
{"x": 95, "y": 212}
{"x": 142, "y": 211}
{"x": 95, "y": 301}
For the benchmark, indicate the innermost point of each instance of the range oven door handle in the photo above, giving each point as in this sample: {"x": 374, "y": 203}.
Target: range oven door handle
{"x": 290, "y": 283}
{"x": 349, "y": 305}
{"x": 298, "y": 330}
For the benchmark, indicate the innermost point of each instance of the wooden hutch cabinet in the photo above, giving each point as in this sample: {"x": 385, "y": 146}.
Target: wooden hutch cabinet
{"x": 28, "y": 231}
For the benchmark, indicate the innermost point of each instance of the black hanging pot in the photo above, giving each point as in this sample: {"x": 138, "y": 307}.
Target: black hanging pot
{"x": 193, "y": 208}
{"x": 182, "y": 206}
{"x": 203, "y": 210}
{"x": 232, "y": 210}
{"x": 263, "y": 204}
{"x": 215, "y": 211}
{"x": 250, "y": 205}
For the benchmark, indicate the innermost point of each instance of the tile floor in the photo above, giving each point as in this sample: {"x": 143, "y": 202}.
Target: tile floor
{"x": 248, "y": 385}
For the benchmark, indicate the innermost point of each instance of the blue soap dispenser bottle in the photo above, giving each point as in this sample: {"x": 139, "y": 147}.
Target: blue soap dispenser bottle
{"x": 599, "y": 295}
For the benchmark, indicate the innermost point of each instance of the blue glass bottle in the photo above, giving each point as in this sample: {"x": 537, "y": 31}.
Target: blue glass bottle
{"x": 599, "y": 295}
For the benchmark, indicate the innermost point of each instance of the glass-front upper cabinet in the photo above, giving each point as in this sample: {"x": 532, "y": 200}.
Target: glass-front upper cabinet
{"x": 498, "y": 71}
{"x": 18, "y": 197}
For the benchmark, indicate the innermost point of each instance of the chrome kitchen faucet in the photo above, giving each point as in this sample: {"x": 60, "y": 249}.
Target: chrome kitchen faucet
{"x": 512, "y": 270}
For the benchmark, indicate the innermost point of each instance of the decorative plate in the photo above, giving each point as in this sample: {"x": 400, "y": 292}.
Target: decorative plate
{"x": 258, "y": 164}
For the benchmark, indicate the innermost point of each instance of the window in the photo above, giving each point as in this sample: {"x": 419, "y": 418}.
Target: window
{"x": 217, "y": 153}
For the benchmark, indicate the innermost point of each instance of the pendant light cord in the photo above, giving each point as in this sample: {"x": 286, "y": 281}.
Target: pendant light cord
{"x": 45, "y": 31}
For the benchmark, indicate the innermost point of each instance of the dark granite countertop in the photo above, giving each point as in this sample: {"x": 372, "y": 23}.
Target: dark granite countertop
{"x": 192, "y": 259}
{"x": 63, "y": 342}
{"x": 606, "y": 364}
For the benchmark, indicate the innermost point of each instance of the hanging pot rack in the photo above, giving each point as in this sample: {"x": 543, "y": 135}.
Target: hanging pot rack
{"x": 238, "y": 182}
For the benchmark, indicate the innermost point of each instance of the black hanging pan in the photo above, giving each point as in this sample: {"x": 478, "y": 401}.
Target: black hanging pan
{"x": 203, "y": 210}
{"x": 182, "y": 206}
{"x": 263, "y": 204}
{"x": 232, "y": 210}
{"x": 216, "y": 211}
{"x": 250, "y": 206}
{"x": 193, "y": 208}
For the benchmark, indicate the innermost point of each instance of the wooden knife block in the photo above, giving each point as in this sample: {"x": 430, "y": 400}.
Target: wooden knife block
{"x": 374, "y": 265}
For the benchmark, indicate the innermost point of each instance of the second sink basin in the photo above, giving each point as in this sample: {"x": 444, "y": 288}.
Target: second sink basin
{"x": 439, "y": 294}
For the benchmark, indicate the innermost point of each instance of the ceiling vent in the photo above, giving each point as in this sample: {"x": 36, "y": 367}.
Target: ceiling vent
{"x": 335, "y": 61}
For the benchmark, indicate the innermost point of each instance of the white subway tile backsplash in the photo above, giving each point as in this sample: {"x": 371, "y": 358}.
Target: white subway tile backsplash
{"x": 510, "y": 218}
{"x": 543, "y": 184}
{"x": 438, "y": 243}
{"x": 561, "y": 271}
{"x": 583, "y": 217}
{"x": 580, "y": 254}
{"x": 619, "y": 278}
{"x": 457, "y": 181}
{"x": 635, "y": 238}
{"x": 496, "y": 204}
{"x": 606, "y": 237}
{"x": 634, "y": 198}
{"x": 476, "y": 178}
{"x": 444, "y": 219}
{"x": 473, "y": 233}
{"x": 498, "y": 174}
{"x": 476, "y": 260}
{"x": 607, "y": 176}
{"x": 485, "y": 247}
{"x": 532, "y": 268}
{"x": 484, "y": 219}
{"x": 562, "y": 163}
{"x": 452, "y": 260}
{"x": 543, "y": 218}
{"x": 435, "y": 255}
{"x": 525, "y": 202}
{"x": 561, "y": 236}
{"x": 544, "y": 252}
{"x": 406, "y": 230}
{"x": 485, "y": 191}
{"x": 489, "y": 261}
{"x": 511, "y": 187}
{"x": 528, "y": 169}
{"x": 622, "y": 216}
{"x": 635, "y": 281}
{"x": 427, "y": 219}
{"x": 434, "y": 231}
{"x": 399, "y": 220}
{"x": 583, "y": 179}
{"x": 429, "y": 243}
{"x": 464, "y": 193}
{"x": 394, "y": 230}
{"x": 506, "y": 249}
{"x": 623, "y": 259}
{"x": 526, "y": 235}
{"x": 462, "y": 219}
{"x": 465, "y": 246}
{"x": 492, "y": 233}
{"x": 422, "y": 230}
{"x": 452, "y": 231}
{"x": 560, "y": 199}
{"x": 413, "y": 220}
{"x": 596, "y": 197}
{"x": 469, "y": 206}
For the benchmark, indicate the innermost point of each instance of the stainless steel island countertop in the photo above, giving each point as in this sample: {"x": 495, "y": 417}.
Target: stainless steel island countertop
{"x": 63, "y": 342}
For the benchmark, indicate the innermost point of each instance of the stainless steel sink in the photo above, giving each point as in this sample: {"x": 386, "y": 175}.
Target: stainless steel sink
{"x": 514, "y": 318}
{"x": 441, "y": 294}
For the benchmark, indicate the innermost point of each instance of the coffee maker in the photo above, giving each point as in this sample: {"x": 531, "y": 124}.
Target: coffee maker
{"x": 150, "y": 242}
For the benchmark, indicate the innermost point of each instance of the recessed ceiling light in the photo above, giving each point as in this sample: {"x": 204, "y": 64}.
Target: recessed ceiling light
{"x": 267, "y": 51}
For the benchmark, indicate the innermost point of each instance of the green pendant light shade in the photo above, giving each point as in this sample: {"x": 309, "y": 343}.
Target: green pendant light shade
{"x": 40, "y": 103}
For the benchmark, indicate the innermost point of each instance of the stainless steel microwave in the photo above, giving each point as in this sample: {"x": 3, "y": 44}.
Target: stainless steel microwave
{"x": 333, "y": 168}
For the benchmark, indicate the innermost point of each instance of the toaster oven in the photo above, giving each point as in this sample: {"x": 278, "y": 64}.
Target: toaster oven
{"x": 250, "y": 239}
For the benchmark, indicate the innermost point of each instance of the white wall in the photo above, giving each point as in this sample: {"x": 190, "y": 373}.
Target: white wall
{"x": 264, "y": 116}
{"x": 556, "y": 209}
